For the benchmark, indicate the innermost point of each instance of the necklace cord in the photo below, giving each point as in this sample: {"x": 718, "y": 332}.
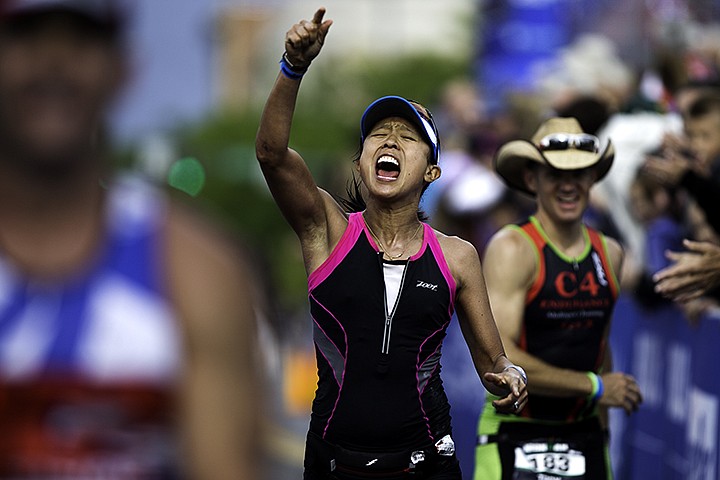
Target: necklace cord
{"x": 385, "y": 250}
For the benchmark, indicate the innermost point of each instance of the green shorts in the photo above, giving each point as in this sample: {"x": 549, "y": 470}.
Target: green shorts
{"x": 516, "y": 448}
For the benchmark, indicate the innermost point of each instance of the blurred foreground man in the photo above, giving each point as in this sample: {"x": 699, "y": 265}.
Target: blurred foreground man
{"x": 126, "y": 322}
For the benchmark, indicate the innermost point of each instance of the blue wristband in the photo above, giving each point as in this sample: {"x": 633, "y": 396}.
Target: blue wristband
{"x": 600, "y": 390}
{"x": 597, "y": 387}
{"x": 289, "y": 70}
{"x": 285, "y": 69}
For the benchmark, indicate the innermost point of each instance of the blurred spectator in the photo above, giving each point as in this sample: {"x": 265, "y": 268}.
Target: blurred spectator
{"x": 469, "y": 200}
{"x": 688, "y": 93}
{"x": 660, "y": 212}
{"x": 591, "y": 113}
{"x": 468, "y": 197}
{"x": 689, "y": 163}
{"x": 590, "y": 66}
{"x": 693, "y": 162}
{"x": 634, "y": 134}
{"x": 461, "y": 111}
{"x": 127, "y": 322}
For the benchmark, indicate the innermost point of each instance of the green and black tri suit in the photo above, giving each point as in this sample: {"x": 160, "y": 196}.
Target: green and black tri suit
{"x": 567, "y": 311}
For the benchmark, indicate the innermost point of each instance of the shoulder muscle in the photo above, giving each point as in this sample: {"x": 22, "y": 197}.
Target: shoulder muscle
{"x": 510, "y": 258}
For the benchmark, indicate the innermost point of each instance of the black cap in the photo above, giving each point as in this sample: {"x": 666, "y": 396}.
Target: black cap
{"x": 106, "y": 13}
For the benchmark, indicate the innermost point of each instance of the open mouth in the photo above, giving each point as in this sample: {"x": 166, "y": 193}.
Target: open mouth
{"x": 387, "y": 168}
{"x": 568, "y": 199}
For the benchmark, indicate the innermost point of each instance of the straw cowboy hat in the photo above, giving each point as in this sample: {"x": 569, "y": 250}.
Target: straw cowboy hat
{"x": 559, "y": 143}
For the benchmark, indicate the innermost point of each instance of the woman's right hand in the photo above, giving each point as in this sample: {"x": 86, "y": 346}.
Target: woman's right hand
{"x": 305, "y": 39}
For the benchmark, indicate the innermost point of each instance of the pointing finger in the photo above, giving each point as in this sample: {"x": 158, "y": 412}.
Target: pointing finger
{"x": 318, "y": 17}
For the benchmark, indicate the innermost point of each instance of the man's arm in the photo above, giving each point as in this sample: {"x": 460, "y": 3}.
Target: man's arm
{"x": 215, "y": 296}
{"x": 496, "y": 372}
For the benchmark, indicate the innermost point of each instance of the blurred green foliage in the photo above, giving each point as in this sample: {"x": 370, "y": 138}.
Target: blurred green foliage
{"x": 325, "y": 131}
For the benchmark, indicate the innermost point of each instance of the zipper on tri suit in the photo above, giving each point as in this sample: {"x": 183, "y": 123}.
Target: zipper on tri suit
{"x": 389, "y": 315}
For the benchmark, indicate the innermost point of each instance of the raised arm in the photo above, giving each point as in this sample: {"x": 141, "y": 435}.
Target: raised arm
{"x": 496, "y": 372}
{"x": 286, "y": 173}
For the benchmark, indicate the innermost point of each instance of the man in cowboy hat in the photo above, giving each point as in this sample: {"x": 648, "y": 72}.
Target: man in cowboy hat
{"x": 552, "y": 285}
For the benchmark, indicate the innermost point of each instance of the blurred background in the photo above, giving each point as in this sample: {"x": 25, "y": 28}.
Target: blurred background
{"x": 489, "y": 71}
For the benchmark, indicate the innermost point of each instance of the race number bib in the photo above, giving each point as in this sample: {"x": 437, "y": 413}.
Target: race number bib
{"x": 535, "y": 451}
{"x": 548, "y": 461}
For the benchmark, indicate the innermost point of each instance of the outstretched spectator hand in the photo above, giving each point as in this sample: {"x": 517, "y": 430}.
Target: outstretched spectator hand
{"x": 693, "y": 273}
{"x": 667, "y": 170}
{"x": 676, "y": 160}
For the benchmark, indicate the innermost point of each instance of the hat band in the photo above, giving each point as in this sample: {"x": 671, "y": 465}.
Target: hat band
{"x": 565, "y": 141}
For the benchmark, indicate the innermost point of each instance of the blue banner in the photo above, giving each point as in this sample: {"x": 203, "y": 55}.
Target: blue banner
{"x": 674, "y": 435}
{"x": 516, "y": 34}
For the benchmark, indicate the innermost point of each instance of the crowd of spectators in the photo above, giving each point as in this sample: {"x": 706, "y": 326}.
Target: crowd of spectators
{"x": 665, "y": 123}
{"x": 659, "y": 199}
